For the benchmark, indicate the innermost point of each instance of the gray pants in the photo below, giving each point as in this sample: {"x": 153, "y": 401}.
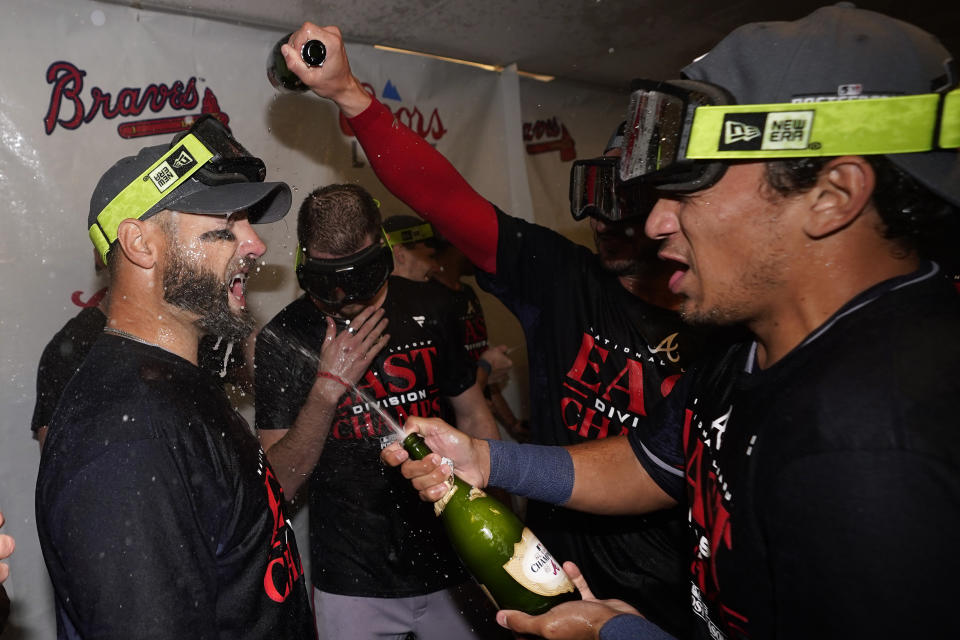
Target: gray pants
{"x": 458, "y": 613}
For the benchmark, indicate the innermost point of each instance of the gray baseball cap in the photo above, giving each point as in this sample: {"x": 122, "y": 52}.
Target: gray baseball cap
{"x": 263, "y": 201}
{"x": 839, "y": 53}
{"x": 204, "y": 171}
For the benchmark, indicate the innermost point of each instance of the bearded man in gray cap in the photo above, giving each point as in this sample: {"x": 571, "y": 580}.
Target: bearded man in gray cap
{"x": 808, "y": 178}
{"x": 158, "y": 514}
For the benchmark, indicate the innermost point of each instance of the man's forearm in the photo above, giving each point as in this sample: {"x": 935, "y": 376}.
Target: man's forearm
{"x": 578, "y": 477}
{"x": 294, "y": 456}
{"x": 473, "y": 416}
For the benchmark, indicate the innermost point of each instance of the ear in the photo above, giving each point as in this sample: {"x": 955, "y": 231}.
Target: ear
{"x": 140, "y": 242}
{"x": 400, "y": 254}
{"x": 842, "y": 191}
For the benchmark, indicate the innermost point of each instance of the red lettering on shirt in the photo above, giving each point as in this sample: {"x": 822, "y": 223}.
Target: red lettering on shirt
{"x": 633, "y": 372}
{"x": 585, "y": 369}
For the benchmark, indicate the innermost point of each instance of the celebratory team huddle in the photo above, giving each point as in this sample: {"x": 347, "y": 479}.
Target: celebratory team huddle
{"x": 777, "y": 450}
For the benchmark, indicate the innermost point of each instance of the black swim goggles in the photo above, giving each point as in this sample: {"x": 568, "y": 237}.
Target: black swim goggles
{"x": 230, "y": 162}
{"x": 339, "y": 281}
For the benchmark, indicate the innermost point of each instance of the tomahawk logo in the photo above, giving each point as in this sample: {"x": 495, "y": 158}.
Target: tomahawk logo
{"x": 734, "y": 131}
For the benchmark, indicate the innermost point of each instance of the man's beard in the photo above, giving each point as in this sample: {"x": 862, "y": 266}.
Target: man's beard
{"x": 201, "y": 292}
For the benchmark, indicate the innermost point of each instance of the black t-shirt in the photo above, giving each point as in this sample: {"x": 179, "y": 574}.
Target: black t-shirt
{"x": 61, "y": 358}
{"x": 157, "y": 512}
{"x": 65, "y": 352}
{"x": 824, "y": 491}
{"x": 370, "y": 534}
{"x": 600, "y": 360}
{"x": 472, "y": 323}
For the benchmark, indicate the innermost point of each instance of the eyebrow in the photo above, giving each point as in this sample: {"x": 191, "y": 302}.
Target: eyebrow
{"x": 222, "y": 233}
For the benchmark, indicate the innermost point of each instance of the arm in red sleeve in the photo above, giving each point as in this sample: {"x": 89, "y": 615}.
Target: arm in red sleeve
{"x": 422, "y": 178}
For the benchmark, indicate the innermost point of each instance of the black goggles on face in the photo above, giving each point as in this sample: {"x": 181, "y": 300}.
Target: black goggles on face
{"x": 339, "y": 281}
{"x": 596, "y": 191}
{"x": 681, "y": 135}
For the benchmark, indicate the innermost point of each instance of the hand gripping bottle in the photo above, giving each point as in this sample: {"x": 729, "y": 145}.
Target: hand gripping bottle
{"x": 513, "y": 567}
{"x": 313, "y": 54}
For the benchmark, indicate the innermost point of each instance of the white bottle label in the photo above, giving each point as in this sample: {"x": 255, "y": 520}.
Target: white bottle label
{"x": 534, "y": 567}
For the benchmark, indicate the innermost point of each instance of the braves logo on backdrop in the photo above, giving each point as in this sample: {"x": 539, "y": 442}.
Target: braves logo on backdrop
{"x": 406, "y": 385}
{"x": 428, "y": 127}
{"x": 604, "y": 388}
{"x": 283, "y": 567}
{"x": 544, "y": 136}
{"x": 70, "y": 106}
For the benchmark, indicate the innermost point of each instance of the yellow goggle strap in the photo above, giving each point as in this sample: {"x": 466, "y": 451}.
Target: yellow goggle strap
{"x": 903, "y": 124}
{"x": 138, "y": 197}
{"x": 418, "y": 233}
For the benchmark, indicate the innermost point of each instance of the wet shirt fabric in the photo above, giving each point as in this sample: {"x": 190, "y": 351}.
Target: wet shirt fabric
{"x": 824, "y": 491}
{"x": 157, "y": 512}
{"x": 600, "y": 360}
{"x": 65, "y": 352}
{"x": 370, "y": 534}
{"x": 61, "y": 358}
{"x": 472, "y": 323}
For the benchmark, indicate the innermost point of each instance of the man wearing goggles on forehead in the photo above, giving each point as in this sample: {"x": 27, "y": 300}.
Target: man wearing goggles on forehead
{"x": 329, "y": 382}
{"x": 156, "y": 512}
{"x": 604, "y": 344}
{"x": 818, "y": 458}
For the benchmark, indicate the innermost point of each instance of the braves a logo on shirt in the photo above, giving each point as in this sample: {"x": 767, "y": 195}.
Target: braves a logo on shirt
{"x": 404, "y": 384}
{"x": 605, "y": 385}
{"x": 284, "y": 567}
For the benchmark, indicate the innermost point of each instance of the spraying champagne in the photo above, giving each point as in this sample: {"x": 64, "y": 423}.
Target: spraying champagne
{"x": 514, "y": 568}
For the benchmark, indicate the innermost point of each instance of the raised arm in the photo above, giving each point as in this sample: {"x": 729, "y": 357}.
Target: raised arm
{"x": 294, "y": 452}
{"x": 406, "y": 164}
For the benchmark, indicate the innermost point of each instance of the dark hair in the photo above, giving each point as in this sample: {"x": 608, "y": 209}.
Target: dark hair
{"x": 111, "y": 258}
{"x": 912, "y": 215}
{"x": 338, "y": 219}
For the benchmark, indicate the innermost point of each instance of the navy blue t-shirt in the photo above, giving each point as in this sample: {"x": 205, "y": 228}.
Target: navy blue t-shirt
{"x": 824, "y": 491}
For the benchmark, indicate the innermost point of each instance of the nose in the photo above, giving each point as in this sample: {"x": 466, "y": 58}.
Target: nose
{"x": 251, "y": 246}
{"x": 662, "y": 220}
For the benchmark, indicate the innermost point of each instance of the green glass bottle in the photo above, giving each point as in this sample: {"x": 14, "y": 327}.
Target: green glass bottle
{"x": 514, "y": 568}
{"x": 313, "y": 54}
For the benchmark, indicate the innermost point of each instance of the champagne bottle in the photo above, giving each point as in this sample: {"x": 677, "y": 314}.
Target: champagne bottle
{"x": 512, "y": 566}
{"x": 313, "y": 54}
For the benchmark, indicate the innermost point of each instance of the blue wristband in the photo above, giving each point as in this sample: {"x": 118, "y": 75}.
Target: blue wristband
{"x": 534, "y": 471}
{"x": 632, "y": 627}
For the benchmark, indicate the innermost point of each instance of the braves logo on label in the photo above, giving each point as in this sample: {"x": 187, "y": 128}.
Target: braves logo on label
{"x": 404, "y": 384}
{"x": 604, "y": 388}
